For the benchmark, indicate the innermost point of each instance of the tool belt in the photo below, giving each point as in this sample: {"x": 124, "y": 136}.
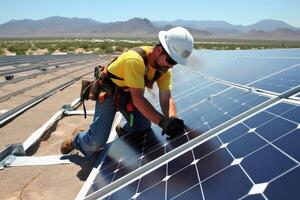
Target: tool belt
{"x": 98, "y": 89}
{"x": 93, "y": 90}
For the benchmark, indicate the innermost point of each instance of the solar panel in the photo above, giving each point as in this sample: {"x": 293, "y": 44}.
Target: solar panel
{"x": 227, "y": 166}
{"x": 253, "y": 159}
{"x": 226, "y": 103}
{"x": 253, "y": 70}
{"x": 297, "y": 95}
{"x": 270, "y": 53}
{"x": 280, "y": 82}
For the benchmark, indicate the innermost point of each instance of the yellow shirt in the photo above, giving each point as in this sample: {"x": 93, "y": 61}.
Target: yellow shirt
{"x": 130, "y": 67}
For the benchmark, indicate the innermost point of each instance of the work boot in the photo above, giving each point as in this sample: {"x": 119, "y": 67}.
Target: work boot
{"x": 67, "y": 146}
{"x": 120, "y": 130}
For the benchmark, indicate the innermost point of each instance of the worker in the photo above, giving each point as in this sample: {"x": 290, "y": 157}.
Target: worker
{"x": 132, "y": 73}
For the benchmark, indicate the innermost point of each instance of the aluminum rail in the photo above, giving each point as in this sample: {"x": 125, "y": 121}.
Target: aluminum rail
{"x": 34, "y": 137}
{"x": 30, "y": 68}
{"x": 12, "y": 94}
{"x": 32, "y": 59}
{"x": 5, "y": 117}
{"x": 15, "y": 154}
{"x": 15, "y": 80}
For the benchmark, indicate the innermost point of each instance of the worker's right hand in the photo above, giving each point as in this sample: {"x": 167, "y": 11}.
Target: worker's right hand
{"x": 172, "y": 126}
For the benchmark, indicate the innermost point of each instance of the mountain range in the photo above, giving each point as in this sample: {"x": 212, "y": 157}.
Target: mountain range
{"x": 138, "y": 27}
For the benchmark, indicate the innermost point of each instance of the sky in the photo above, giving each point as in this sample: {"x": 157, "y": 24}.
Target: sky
{"x": 238, "y": 12}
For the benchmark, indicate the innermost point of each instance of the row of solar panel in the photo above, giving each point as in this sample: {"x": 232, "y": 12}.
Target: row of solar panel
{"x": 138, "y": 149}
{"x": 276, "y": 74}
{"x": 208, "y": 170}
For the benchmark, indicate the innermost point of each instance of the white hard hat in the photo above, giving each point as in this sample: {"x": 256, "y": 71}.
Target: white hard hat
{"x": 178, "y": 43}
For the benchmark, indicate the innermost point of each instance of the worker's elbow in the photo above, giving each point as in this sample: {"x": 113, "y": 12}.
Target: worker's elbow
{"x": 136, "y": 102}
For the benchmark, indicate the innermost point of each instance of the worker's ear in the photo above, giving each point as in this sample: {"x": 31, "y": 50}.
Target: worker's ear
{"x": 158, "y": 50}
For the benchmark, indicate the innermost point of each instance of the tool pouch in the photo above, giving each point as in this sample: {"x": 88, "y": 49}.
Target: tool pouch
{"x": 90, "y": 90}
{"x": 85, "y": 89}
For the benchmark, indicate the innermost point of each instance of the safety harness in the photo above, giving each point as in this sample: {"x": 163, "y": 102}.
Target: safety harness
{"x": 94, "y": 90}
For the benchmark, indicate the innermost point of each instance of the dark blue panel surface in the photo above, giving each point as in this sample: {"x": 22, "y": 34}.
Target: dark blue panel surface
{"x": 213, "y": 163}
{"x": 246, "y": 144}
{"x": 155, "y": 192}
{"x": 285, "y": 187}
{"x": 268, "y": 70}
{"x": 152, "y": 178}
{"x": 267, "y": 54}
{"x": 280, "y": 108}
{"x": 207, "y": 148}
{"x": 181, "y": 162}
{"x": 233, "y": 133}
{"x": 211, "y": 169}
{"x": 280, "y": 82}
{"x": 141, "y": 148}
{"x": 254, "y": 197}
{"x": 232, "y": 183}
{"x": 290, "y": 144}
{"x": 229, "y": 165}
{"x": 192, "y": 193}
{"x": 260, "y": 118}
{"x": 275, "y": 128}
{"x": 219, "y": 109}
{"x": 293, "y": 114}
{"x": 239, "y": 69}
{"x": 178, "y": 182}
{"x": 266, "y": 163}
{"x": 125, "y": 193}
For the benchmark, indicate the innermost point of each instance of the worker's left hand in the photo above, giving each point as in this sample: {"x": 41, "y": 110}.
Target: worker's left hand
{"x": 172, "y": 126}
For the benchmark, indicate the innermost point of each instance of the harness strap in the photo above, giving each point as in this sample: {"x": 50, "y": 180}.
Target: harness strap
{"x": 143, "y": 54}
{"x": 107, "y": 76}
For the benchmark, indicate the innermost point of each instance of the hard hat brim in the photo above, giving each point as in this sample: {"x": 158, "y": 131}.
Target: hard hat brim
{"x": 162, "y": 36}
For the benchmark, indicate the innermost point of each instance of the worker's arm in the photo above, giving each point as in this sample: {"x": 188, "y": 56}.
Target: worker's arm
{"x": 143, "y": 105}
{"x": 167, "y": 103}
{"x": 171, "y": 126}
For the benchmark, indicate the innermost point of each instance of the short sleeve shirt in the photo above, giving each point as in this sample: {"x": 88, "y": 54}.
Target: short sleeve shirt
{"x": 130, "y": 67}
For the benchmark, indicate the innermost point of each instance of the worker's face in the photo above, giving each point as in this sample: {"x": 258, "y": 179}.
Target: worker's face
{"x": 164, "y": 62}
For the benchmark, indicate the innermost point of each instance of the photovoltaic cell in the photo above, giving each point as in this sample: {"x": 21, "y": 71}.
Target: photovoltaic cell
{"x": 280, "y": 82}
{"x": 241, "y": 163}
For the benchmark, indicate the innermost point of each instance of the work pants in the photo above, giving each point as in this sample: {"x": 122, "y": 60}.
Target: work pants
{"x": 94, "y": 139}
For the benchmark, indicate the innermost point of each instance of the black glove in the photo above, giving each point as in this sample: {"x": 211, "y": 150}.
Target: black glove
{"x": 172, "y": 126}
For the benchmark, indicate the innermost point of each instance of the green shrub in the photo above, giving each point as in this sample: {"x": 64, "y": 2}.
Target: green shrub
{"x": 110, "y": 46}
{"x": 19, "y": 49}
{"x": 51, "y": 49}
{"x": 100, "y": 51}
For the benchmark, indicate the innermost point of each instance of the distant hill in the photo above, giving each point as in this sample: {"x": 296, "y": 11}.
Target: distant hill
{"x": 48, "y": 26}
{"x": 279, "y": 33}
{"x": 269, "y": 25}
{"x": 138, "y": 27}
{"x": 204, "y": 25}
{"x": 135, "y": 26}
{"x": 263, "y": 25}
